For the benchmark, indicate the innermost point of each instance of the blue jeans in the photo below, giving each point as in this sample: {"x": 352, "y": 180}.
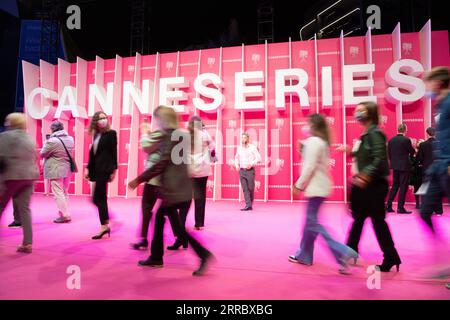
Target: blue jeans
{"x": 310, "y": 232}
{"x": 432, "y": 200}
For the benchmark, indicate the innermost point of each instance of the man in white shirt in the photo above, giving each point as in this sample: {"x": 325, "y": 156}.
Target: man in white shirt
{"x": 246, "y": 158}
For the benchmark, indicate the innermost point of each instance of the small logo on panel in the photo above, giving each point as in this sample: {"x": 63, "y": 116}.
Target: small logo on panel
{"x": 169, "y": 65}
{"x": 256, "y": 58}
{"x": 279, "y": 123}
{"x": 211, "y": 61}
{"x": 407, "y": 48}
{"x": 354, "y": 51}
{"x": 303, "y": 54}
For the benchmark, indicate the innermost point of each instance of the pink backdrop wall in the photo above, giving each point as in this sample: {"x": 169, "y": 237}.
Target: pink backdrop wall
{"x": 225, "y": 62}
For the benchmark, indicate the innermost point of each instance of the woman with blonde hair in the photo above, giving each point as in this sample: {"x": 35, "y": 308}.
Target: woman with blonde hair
{"x": 176, "y": 189}
{"x": 18, "y": 171}
{"x": 102, "y": 166}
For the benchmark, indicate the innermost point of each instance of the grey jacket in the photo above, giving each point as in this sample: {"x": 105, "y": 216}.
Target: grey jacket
{"x": 18, "y": 155}
{"x": 56, "y": 160}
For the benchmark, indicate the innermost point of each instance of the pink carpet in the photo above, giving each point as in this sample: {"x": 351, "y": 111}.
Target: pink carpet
{"x": 251, "y": 250}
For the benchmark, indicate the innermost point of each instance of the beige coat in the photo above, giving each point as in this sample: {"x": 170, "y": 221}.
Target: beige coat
{"x": 315, "y": 177}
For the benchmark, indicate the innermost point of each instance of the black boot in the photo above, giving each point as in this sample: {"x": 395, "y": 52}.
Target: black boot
{"x": 177, "y": 245}
{"x": 417, "y": 202}
{"x": 143, "y": 244}
{"x": 204, "y": 263}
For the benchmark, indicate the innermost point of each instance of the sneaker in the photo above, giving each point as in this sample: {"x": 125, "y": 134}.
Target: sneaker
{"x": 403, "y": 211}
{"x": 344, "y": 269}
{"x": 151, "y": 263}
{"x": 62, "y": 220}
{"x": 15, "y": 225}
{"x": 25, "y": 248}
{"x": 295, "y": 260}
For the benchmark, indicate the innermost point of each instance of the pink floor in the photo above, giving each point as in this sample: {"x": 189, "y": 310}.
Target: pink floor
{"x": 251, "y": 250}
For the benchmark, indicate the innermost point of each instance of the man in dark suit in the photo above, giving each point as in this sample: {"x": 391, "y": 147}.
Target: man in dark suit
{"x": 425, "y": 152}
{"x": 400, "y": 150}
{"x": 425, "y": 158}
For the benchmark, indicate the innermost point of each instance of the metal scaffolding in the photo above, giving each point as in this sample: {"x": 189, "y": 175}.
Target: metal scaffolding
{"x": 265, "y": 21}
{"x": 50, "y": 30}
{"x": 139, "y": 28}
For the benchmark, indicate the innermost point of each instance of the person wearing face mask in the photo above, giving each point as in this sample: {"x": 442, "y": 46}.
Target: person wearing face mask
{"x": 437, "y": 83}
{"x": 18, "y": 171}
{"x": 315, "y": 181}
{"x": 102, "y": 166}
{"x": 370, "y": 186}
{"x": 57, "y": 153}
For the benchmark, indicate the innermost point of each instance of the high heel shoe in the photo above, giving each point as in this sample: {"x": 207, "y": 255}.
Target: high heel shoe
{"x": 143, "y": 244}
{"x": 387, "y": 266}
{"x": 101, "y": 234}
{"x": 177, "y": 246}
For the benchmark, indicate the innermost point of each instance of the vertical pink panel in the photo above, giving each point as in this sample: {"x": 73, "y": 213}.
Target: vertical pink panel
{"x": 231, "y": 63}
{"x": 425, "y": 58}
{"x": 30, "y": 82}
{"x": 279, "y": 169}
{"x": 47, "y": 81}
{"x": 210, "y": 62}
{"x": 80, "y": 125}
{"x": 114, "y": 66}
{"x": 134, "y": 130}
{"x": 254, "y": 123}
{"x": 329, "y": 54}
{"x": 303, "y": 56}
{"x": 397, "y": 55}
{"x": 355, "y": 52}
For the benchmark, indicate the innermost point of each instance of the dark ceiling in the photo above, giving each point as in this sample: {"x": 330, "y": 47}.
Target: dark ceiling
{"x": 181, "y": 25}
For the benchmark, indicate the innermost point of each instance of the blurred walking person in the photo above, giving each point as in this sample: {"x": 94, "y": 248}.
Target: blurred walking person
{"x": 316, "y": 183}
{"x": 202, "y": 149}
{"x": 18, "y": 171}
{"x": 176, "y": 190}
{"x": 370, "y": 186}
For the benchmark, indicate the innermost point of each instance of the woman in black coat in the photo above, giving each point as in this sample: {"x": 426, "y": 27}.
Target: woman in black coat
{"x": 102, "y": 166}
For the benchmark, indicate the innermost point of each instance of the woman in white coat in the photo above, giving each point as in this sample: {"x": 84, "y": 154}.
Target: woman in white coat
{"x": 316, "y": 183}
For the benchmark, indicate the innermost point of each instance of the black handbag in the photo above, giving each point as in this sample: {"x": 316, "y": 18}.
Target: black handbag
{"x": 73, "y": 165}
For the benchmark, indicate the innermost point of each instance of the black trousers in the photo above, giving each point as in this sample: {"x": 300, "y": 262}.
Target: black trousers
{"x": 432, "y": 200}
{"x": 369, "y": 203}
{"x": 247, "y": 178}
{"x": 157, "y": 248}
{"x": 199, "y": 186}
{"x": 100, "y": 198}
{"x": 150, "y": 196}
{"x": 400, "y": 182}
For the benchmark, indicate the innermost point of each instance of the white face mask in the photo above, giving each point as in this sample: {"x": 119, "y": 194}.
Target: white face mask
{"x": 103, "y": 123}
